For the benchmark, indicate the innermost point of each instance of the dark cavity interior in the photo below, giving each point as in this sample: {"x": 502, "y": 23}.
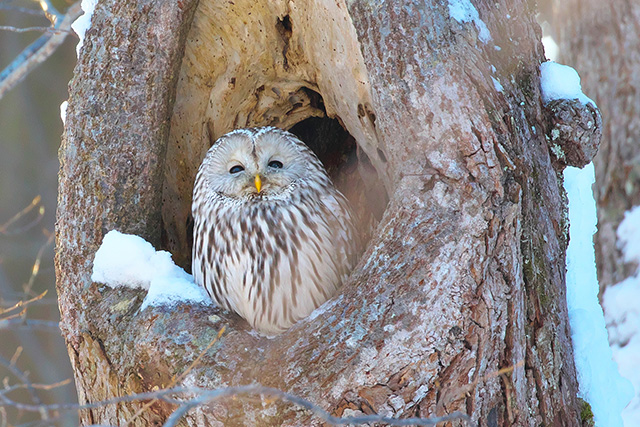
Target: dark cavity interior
{"x": 349, "y": 168}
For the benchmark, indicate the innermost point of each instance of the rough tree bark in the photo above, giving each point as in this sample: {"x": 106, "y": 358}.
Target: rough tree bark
{"x": 464, "y": 274}
{"x": 602, "y": 41}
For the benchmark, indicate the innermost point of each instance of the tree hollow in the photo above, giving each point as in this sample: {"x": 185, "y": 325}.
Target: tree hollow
{"x": 250, "y": 63}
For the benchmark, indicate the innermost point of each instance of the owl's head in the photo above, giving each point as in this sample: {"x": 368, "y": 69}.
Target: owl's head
{"x": 260, "y": 163}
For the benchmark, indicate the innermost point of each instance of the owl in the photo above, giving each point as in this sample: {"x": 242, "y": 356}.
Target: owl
{"x": 273, "y": 238}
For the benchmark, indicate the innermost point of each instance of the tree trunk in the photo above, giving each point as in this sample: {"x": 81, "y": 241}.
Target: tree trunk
{"x": 602, "y": 40}
{"x": 464, "y": 273}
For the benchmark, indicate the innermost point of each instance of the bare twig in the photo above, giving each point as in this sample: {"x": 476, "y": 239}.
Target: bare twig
{"x": 17, "y": 315}
{"x": 50, "y": 11}
{"x": 11, "y": 318}
{"x": 7, "y": 303}
{"x": 28, "y": 29}
{"x": 205, "y": 396}
{"x": 36, "y": 265}
{"x": 16, "y": 356}
{"x": 36, "y": 386}
{"x": 38, "y": 51}
{"x": 34, "y": 203}
{"x": 51, "y": 386}
{"x": 46, "y": 417}
{"x": 27, "y": 11}
{"x": 316, "y": 410}
{"x": 501, "y": 372}
{"x": 11, "y": 367}
{"x": 21, "y": 304}
{"x": 31, "y": 324}
{"x": 175, "y": 380}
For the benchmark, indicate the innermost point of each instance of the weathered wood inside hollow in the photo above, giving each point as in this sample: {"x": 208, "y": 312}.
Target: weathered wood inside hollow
{"x": 458, "y": 302}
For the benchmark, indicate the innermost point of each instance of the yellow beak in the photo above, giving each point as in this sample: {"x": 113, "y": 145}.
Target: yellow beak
{"x": 258, "y": 183}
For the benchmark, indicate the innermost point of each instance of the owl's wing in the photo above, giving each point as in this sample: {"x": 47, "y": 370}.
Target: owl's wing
{"x": 338, "y": 206}
{"x": 342, "y": 221}
{"x": 333, "y": 205}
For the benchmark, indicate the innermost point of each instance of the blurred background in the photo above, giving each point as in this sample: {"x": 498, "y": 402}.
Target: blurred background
{"x": 30, "y": 129}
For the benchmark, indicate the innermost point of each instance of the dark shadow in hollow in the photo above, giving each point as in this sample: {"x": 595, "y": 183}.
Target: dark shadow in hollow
{"x": 349, "y": 168}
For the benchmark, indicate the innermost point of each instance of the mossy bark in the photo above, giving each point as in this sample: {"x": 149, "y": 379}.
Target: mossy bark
{"x": 464, "y": 274}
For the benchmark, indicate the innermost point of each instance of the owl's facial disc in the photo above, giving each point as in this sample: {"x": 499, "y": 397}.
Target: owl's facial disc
{"x": 256, "y": 180}
{"x": 245, "y": 180}
{"x": 256, "y": 166}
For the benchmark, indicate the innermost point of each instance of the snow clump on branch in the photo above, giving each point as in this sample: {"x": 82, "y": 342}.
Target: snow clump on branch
{"x": 559, "y": 81}
{"x": 126, "y": 260}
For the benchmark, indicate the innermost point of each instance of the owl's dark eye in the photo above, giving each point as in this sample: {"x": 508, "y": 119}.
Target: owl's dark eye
{"x": 276, "y": 164}
{"x": 236, "y": 169}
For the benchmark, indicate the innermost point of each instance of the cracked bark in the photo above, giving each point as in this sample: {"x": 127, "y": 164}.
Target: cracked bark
{"x": 464, "y": 274}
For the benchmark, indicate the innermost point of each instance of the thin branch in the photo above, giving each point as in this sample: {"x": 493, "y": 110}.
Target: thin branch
{"x": 175, "y": 380}
{"x": 316, "y": 410}
{"x": 21, "y": 304}
{"x": 16, "y": 356}
{"x": 17, "y": 315}
{"x": 32, "y": 324}
{"x": 34, "y": 203}
{"x": 24, "y": 10}
{"x": 11, "y": 367}
{"x": 36, "y": 265}
{"x": 29, "y": 29}
{"x": 205, "y": 396}
{"x": 499, "y": 373}
{"x": 50, "y": 11}
{"x": 37, "y": 52}
{"x": 36, "y": 386}
{"x": 51, "y": 386}
{"x": 8, "y": 303}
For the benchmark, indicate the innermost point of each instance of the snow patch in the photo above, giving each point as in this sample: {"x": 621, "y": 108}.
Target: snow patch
{"x": 628, "y": 234}
{"x": 464, "y": 11}
{"x": 621, "y": 304}
{"x": 173, "y": 290}
{"x": 497, "y": 85}
{"x": 551, "y": 48}
{"x": 559, "y": 81}
{"x": 130, "y": 261}
{"x": 63, "y": 112}
{"x": 82, "y": 24}
{"x": 600, "y": 382}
